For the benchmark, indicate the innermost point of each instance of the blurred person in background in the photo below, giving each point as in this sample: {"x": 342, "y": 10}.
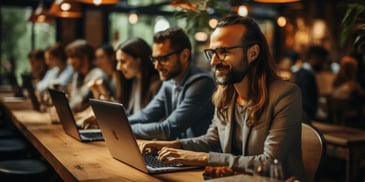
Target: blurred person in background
{"x": 63, "y": 77}
{"x": 81, "y": 55}
{"x": 37, "y": 64}
{"x": 316, "y": 59}
{"x": 306, "y": 80}
{"x": 105, "y": 60}
{"x": 348, "y": 95}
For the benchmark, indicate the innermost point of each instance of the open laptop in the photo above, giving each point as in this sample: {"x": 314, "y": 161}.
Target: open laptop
{"x": 68, "y": 121}
{"x": 121, "y": 141}
{"x": 28, "y": 85}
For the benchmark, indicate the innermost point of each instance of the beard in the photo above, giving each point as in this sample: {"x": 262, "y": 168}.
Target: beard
{"x": 227, "y": 75}
{"x": 167, "y": 74}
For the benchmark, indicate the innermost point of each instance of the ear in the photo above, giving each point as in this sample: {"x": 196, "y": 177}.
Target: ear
{"x": 185, "y": 55}
{"x": 253, "y": 53}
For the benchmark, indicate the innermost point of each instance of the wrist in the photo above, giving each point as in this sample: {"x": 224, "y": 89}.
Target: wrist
{"x": 176, "y": 144}
{"x": 204, "y": 158}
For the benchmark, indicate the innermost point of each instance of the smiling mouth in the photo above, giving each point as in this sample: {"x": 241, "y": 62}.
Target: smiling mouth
{"x": 221, "y": 68}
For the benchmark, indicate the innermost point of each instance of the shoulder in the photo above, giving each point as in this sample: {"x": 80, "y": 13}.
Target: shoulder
{"x": 280, "y": 88}
{"x": 96, "y": 72}
{"x": 197, "y": 74}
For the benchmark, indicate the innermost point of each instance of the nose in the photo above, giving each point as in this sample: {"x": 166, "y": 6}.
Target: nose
{"x": 119, "y": 66}
{"x": 214, "y": 60}
{"x": 157, "y": 65}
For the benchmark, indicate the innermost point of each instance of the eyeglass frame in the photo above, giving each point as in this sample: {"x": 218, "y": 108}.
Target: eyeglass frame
{"x": 163, "y": 59}
{"x": 224, "y": 51}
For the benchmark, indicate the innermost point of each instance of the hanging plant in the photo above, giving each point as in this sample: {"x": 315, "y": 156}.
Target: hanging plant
{"x": 353, "y": 25}
{"x": 197, "y": 13}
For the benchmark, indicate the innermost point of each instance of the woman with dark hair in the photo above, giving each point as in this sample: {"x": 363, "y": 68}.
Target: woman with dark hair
{"x": 139, "y": 80}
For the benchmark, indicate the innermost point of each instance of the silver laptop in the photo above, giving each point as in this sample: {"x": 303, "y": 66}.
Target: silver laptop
{"x": 121, "y": 141}
{"x": 68, "y": 121}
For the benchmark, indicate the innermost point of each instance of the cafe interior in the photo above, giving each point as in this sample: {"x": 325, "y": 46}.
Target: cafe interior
{"x": 327, "y": 35}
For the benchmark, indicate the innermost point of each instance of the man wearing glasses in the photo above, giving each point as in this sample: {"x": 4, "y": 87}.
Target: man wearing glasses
{"x": 257, "y": 117}
{"x": 182, "y": 108}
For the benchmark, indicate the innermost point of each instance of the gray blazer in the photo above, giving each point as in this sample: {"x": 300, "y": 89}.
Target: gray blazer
{"x": 277, "y": 134}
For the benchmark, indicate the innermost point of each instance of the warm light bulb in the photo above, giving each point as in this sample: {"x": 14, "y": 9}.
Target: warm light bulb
{"x": 97, "y": 2}
{"x": 213, "y": 22}
{"x": 281, "y": 21}
{"x": 242, "y": 10}
{"x": 201, "y": 36}
{"x": 65, "y": 6}
{"x": 133, "y": 18}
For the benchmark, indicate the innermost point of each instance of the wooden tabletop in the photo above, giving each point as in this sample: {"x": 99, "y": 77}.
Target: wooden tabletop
{"x": 340, "y": 135}
{"x": 77, "y": 161}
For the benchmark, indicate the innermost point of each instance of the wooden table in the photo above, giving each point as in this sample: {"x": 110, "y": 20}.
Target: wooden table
{"x": 77, "y": 161}
{"x": 351, "y": 139}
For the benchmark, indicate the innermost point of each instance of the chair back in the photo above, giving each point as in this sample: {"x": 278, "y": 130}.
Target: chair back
{"x": 313, "y": 150}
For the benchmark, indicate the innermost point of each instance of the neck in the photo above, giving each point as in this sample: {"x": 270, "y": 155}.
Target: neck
{"x": 61, "y": 65}
{"x": 85, "y": 69}
{"x": 181, "y": 75}
{"x": 242, "y": 91}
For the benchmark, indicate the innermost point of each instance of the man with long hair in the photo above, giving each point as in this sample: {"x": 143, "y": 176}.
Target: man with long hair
{"x": 257, "y": 116}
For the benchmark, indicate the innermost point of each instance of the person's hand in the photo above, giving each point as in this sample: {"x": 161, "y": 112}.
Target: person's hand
{"x": 186, "y": 157}
{"x": 151, "y": 147}
{"x": 217, "y": 171}
{"x": 90, "y": 123}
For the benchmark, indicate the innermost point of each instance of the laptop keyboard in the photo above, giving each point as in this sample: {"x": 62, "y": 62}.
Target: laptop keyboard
{"x": 92, "y": 135}
{"x": 152, "y": 161}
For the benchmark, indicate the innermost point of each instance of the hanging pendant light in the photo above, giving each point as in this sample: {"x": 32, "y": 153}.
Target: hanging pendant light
{"x": 276, "y": 1}
{"x": 40, "y": 15}
{"x": 99, "y": 2}
{"x": 66, "y": 9}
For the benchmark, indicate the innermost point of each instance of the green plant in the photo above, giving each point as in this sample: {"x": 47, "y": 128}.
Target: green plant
{"x": 353, "y": 24}
{"x": 198, "y": 12}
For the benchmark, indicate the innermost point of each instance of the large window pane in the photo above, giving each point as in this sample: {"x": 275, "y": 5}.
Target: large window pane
{"x": 18, "y": 38}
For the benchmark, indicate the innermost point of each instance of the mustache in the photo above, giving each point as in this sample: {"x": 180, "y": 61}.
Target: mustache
{"x": 221, "y": 66}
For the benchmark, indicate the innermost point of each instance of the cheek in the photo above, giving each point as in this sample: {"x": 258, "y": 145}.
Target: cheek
{"x": 133, "y": 68}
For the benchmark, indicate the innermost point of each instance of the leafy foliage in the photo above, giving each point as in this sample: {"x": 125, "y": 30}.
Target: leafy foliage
{"x": 353, "y": 28}
{"x": 197, "y": 19}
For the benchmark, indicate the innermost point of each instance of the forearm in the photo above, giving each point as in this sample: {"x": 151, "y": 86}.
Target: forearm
{"x": 149, "y": 131}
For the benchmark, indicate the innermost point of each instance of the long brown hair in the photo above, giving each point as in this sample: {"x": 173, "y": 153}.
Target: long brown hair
{"x": 260, "y": 72}
{"x": 137, "y": 48}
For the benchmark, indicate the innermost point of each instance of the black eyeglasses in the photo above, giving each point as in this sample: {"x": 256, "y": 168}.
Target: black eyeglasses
{"x": 163, "y": 59}
{"x": 221, "y": 52}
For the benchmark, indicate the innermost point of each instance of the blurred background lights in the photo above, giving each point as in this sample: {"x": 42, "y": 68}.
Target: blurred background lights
{"x": 161, "y": 24}
{"x": 133, "y": 18}
{"x": 201, "y": 36}
{"x": 281, "y": 21}
{"x": 65, "y": 6}
{"x": 213, "y": 22}
{"x": 97, "y": 2}
{"x": 242, "y": 10}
